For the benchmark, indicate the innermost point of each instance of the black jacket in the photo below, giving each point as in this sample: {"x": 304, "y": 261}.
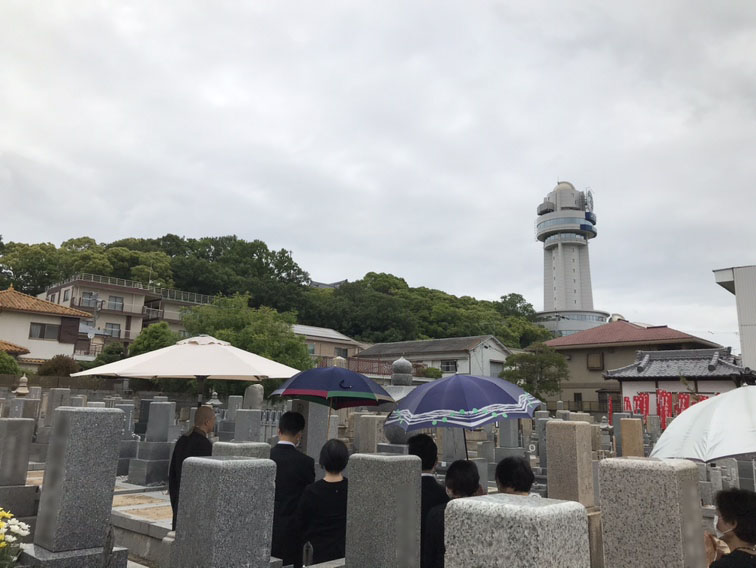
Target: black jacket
{"x": 432, "y": 554}
{"x": 195, "y": 444}
{"x": 432, "y": 493}
{"x": 322, "y": 519}
{"x": 294, "y": 472}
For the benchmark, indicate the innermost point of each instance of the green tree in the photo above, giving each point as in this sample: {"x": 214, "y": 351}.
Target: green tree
{"x": 153, "y": 268}
{"x": 155, "y": 336}
{"x": 263, "y": 331}
{"x": 59, "y": 366}
{"x": 538, "y": 371}
{"x": 112, "y": 352}
{"x": 527, "y": 332}
{"x": 31, "y": 268}
{"x": 515, "y": 305}
{"x": 8, "y": 365}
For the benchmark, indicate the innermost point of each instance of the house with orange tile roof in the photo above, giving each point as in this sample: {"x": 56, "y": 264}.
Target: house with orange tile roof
{"x": 592, "y": 352}
{"x": 36, "y": 330}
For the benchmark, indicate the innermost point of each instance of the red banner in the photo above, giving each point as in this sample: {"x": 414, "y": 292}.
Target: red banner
{"x": 628, "y": 405}
{"x": 611, "y": 410}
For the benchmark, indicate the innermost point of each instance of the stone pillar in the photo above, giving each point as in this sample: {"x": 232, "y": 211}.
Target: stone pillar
{"x": 259, "y": 450}
{"x": 651, "y": 514}
{"x": 486, "y": 450}
{"x": 127, "y": 448}
{"x": 79, "y": 401}
{"x": 253, "y": 397}
{"x": 15, "y": 444}
{"x": 570, "y": 475}
{"x": 632, "y": 437}
{"x": 453, "y": 445}
{"x": 617, "y": 423}
{"x": 371, "y": 433}
{"x": 542, "y": 446}
{"x": 153, "y": 454}
{"x": 509, "y": 440}
{"x": 237, "y": 494}
{"x": 96, "y": 404}
{"x": 56, "y": 398}
{"x": 74, "y": 515}
{"x": 35, "y": 392}
{"x": 383, "y": 502}
{"x": 248, "y": 426}
{"x": 510, "y": 531}
{"x": 234, "y": 403}
{"x": 316, "y": 426}
{"x": 24, "y": 408}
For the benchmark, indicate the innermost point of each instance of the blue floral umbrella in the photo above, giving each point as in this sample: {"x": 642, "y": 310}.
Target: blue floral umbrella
{"x": 462, "y": 401}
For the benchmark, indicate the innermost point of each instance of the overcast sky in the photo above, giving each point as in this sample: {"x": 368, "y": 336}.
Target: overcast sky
{"x": 415, "y": 138}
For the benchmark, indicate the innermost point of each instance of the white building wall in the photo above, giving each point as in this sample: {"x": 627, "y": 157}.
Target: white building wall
{"x": 14, "y": 327}
{"x": 745, "y": 301}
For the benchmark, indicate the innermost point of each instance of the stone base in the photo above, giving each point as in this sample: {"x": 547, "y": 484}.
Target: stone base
{"x": 21, "y": 500}
{"x": 393, "y": 449}
{"x": 38, "y": 452}
{"x": 501, "y": 453}
{"x": 144, "y": 472}
{"x": 34, "y": 555}
{"x": 154, "y": 451}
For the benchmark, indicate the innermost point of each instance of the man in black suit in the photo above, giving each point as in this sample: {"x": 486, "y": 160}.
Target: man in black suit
{"x": 192, "y": 444}
{"x": 432, "y": 493}
{"x": 294, "y": 472}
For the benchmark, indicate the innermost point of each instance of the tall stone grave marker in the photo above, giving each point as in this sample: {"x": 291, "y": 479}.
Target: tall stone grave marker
{"x": 15, "y": 444}
{"x": 127, "y": 448}
{"x": 384, "y": 503}
{"x": 632, "y": 437}
{"x": 316, "y": 426}
{"x": 570, "y": 473}
{"x": 236, "y": 496}
{"x": 617, "y": 418}
{"x": 253, "y": 397}
{"x": 510, "y": 531}
{"x": 509, "y": 440}
{"x": 651, "y": 514}
{"x": 248, "y": 426}
{"x": 259, "y": 450}
{"x": 153, "y": 454}
{"x": 74, "y": 516}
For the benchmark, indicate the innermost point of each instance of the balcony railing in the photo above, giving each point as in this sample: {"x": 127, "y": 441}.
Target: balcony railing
{"x": 167, "y": 293}
{"x": 364, "y": 366}
{"x": 92, "y": 303}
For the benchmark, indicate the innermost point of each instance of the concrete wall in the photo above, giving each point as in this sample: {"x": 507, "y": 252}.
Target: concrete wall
{"x": 14, "y": 327}
{"x": 745, "y": 300}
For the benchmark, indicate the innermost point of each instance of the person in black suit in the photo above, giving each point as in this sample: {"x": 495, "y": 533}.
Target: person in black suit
{"x": 192, "y": 444}
{"x": 432, "y": 493}
{"x": 322, "y": 511}
{"x": 294, "y": 472}
{"x": 462, "y": 480}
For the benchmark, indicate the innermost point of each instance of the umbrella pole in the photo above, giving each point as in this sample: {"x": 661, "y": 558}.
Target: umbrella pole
{"x": 200, "y": 389}
{"x": 464, "y": 437}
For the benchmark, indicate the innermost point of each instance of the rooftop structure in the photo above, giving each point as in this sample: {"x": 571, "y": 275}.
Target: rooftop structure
{"x": 741, "y": 281}
{"x": 12, "y": 300}
{"x": 12, "y": 348}
{"x": 565, "y": 224}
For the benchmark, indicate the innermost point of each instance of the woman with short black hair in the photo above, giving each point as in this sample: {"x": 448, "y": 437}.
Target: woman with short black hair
{"x": 514, "y": 476}
{"x": 735, "y": 523}
{"x": 322, "y": 509}
{"x": 462, "y": 480}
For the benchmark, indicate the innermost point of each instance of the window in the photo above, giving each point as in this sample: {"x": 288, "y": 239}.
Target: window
{"x": 448, "y": 366}
{"x": 341, "y": 352}
{"x": 44, "y": 331}
{"x": 115, "y": 303}
{"x": 89, "y": 299}
{"x": 596, "y": 361}
{"x": 52, "y": 298}
{"x": 66, "y": 294}
{"x": 113, "y": 329}
{"x": 311, "y": 348}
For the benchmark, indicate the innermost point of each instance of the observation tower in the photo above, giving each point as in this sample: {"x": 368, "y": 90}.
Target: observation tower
{"x": 565, "y": 224}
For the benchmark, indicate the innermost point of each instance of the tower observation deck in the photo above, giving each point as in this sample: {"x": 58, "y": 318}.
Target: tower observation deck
{"x": 565, "y": 224}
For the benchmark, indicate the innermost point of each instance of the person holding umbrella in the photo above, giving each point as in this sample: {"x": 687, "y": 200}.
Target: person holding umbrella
{"x": 735, "y": 524}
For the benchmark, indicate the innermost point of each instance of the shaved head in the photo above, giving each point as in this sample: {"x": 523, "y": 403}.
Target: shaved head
{"x": 204, "y": 415}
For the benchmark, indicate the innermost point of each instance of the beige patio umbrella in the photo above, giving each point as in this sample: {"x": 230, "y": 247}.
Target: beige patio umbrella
{"x": 202, "y": 357}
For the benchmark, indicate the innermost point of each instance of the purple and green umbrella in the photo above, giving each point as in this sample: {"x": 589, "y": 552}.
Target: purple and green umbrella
{"x": 335, "y": 387}
{"x": 462, "y": 401}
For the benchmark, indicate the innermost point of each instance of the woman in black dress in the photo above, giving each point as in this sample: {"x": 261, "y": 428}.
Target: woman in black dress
{"x": 735, "y": 524}
{"x": 462, "y": 480}
{"x": 322, "y": 509}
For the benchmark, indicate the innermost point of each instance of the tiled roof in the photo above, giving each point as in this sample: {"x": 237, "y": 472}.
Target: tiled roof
{"x": 688, "y": 363}
{"x": 399, "y": 348}
{"x": 15, "y": 301}
{"x": 12, "y": 348}
{"x": 321, "y": 332}
{"x": 623, "y": 332}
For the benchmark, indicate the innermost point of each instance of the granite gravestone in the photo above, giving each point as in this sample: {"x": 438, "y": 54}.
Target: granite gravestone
{"x": 570, "y": 474}
{"x": 651, "y": 513}
{"x": 235, "y": 497}
{"x": 153, "y": 454}
{"x": 74, "y": 517}
{"x": 248, "y": 426}
{"x": 511, "y": 531}
{"x": 259, "y": 450}
{"x": 383, "y": 511}
{"x": 15, "y": 444}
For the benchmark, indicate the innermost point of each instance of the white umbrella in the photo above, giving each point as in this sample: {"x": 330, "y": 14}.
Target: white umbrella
{"x": 722, "y": 426}
{"x": 202, "y": 357}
